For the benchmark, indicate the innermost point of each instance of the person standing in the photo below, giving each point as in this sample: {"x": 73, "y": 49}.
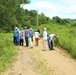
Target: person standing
{"x": 21, "y": 37}
{"x": 32, "y": 33}
{"x": 48, "y": 39}
{"x": 16, "y": 36}
{"x": 51, "y": 41}
{"x": 30, "y": 38}
{"x": 45, "y": 39}
{"x": 37, "y": 38}
{"x": 26, "y": 37}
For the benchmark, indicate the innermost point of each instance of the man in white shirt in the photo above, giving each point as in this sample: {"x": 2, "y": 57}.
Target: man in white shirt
{"x": 45, "y": 39}
{"x": 52, "y": 36}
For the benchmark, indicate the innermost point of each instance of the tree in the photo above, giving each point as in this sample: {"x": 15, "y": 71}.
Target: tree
{"x": 58, "y": 20}
{"x": 10, "y": 13}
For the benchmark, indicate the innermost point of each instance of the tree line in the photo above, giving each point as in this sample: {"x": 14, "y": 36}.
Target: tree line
{"x": 12, "y": 14}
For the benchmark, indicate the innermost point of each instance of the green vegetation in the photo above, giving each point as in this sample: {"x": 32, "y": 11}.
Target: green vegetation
{"x": 7, "y": 50}
{"x": 67, "y": 36}
{"x": 11, "y": 14}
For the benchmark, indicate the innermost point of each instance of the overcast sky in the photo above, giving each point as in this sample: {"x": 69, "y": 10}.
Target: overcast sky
{"x": 51, "y": 8}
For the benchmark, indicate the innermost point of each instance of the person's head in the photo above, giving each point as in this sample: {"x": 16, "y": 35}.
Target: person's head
{"x": 56, "y": 35}
{"x": 47, "y": 35}
{"x": 30, "y": 28}
{"x": 44, "y": 29}
{"x": 16, "y": 28}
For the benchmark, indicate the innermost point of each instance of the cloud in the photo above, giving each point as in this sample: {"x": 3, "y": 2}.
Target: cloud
{"x": 70, "y": 1}
{"x": 50, "y": 9}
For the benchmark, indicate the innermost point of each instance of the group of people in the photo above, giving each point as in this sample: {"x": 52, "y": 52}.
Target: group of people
{"x": 18, "y": 36}
{"x": 48, "y": 39}
{"x": 26, "y": 35}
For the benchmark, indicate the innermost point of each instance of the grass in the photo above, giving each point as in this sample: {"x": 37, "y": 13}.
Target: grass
{"x": 67, "y": 36}
{"x": 7, "y": 50}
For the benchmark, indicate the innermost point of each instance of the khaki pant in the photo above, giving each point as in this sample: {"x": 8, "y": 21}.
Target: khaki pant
{"x": 36, "y": 41}
{"x": 44, "y": 44}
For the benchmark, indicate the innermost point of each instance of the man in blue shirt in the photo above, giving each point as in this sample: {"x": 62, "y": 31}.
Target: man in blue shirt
{"x": 16, "y": 36}
{"x": 26, "y": 37}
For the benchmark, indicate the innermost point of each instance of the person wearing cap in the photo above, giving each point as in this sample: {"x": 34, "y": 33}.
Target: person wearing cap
{"x": 30, "y": 38}
{"x": 15, "y": 36}
{"x": 51, "y": 39}
{"x": 21, "y": 37}
{"x": 45, "y": 39}
{"x": 32, "y": 33}
{"x": 26, "y": 37}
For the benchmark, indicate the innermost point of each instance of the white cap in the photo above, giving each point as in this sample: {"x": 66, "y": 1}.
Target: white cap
{"x": 44, "y": 28}
{"x": 16, "y": 28}
{"x": 30, "y": 28}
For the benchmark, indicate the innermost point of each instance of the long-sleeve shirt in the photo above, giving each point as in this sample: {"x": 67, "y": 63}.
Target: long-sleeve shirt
{"x": 44, "y": 35}
{"x": 52, "y": 37}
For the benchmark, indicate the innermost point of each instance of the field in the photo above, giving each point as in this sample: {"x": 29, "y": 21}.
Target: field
{"x": 67, "y": 36}
{"x": 38, "y": 58}
{"x": 7, "y": 50}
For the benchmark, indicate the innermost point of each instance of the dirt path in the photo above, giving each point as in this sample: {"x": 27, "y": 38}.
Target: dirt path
{"x": 30, "y": 62}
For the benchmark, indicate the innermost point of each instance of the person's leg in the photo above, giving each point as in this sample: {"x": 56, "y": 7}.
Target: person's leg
{"x": 37, "y": 41}
{"x": 32, "y": 38}
{"x": 48, "y": 43}
{"x": 44, "y": 44}
{"x": 51, "y": 45}
{"x": 14, "y": 38}
{"x": 20, "y": 42}
{"x": 26, "y": 39}
{"x": 30, "y": 42}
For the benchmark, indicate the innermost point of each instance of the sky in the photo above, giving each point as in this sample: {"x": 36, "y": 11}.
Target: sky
{"x": 51, "y": 8}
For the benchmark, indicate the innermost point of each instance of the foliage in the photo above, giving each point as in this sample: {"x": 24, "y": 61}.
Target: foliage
{"x": 58, "y": 20}
{"x": 7, "y": 50}
{"x": 67, "y": 36}
{"x": 11, "y": 14}
{"x": 73, "y": 24}
{"x": 31, "y": 18}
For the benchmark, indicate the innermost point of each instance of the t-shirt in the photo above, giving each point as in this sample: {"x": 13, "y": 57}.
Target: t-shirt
{"x": 52, "y": 36}
{"x": 37, "y": 34}
{"x": 30, "y": 34}
{"x": 26, "y": 33}
{"x": 15, "y": 32}
{"x": 21, "y": 35}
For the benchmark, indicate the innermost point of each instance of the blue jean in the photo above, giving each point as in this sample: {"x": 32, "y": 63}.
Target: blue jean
{"x": 15, "y": 40}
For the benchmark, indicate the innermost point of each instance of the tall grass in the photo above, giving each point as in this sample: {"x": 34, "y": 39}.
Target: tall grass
{"x": 7, "y": 50}
{"x": 67, "y": 36}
